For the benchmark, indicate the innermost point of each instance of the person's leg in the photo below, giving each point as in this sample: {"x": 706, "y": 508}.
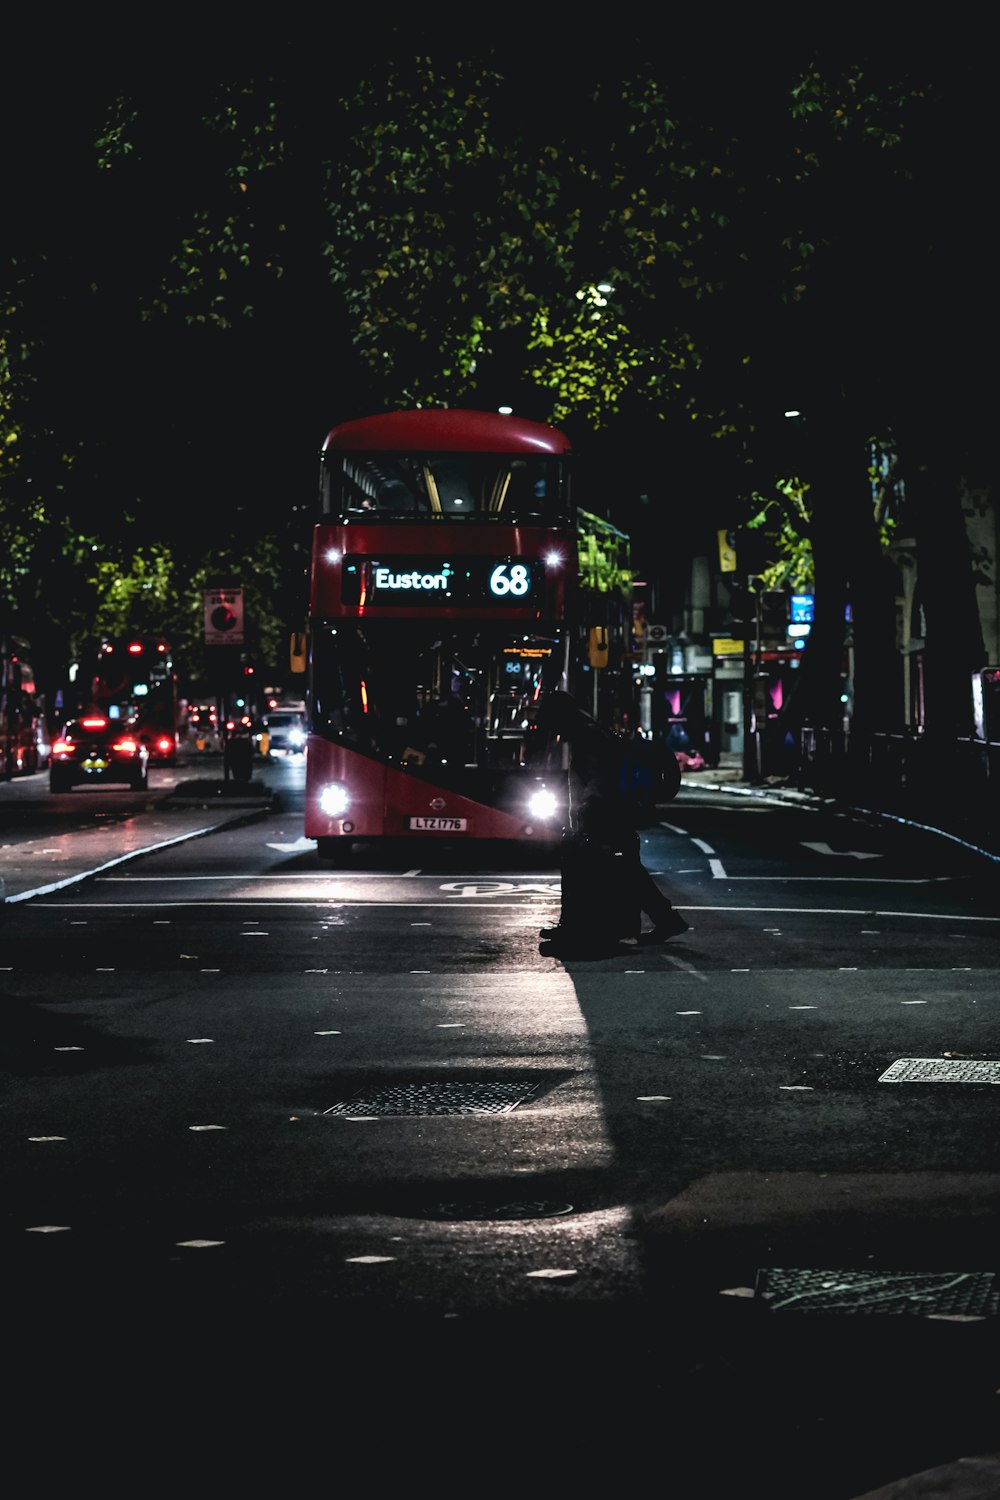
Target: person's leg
{"x": 667, "y": 922}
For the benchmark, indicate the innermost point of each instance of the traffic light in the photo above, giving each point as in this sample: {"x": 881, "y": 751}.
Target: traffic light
{"x": 597, "y": 646}
{"x": 753, "y": 548}
{"x": 742, "y": 611}
{"x": 774, "y": 617}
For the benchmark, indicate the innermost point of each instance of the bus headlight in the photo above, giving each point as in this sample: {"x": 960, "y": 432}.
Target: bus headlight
{"x": 333, "y": 799}
{"x": 543, "y": 804}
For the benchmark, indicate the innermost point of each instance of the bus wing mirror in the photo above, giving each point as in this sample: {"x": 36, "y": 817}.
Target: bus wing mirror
{"x": 297, "y": 653}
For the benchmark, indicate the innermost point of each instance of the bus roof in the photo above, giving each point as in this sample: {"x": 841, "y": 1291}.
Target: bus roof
{"x": 444, "y": 430}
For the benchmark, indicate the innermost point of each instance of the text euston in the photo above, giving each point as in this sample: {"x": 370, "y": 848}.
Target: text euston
{"x": 437, "y": 582}
{"x": 385, "y": 578}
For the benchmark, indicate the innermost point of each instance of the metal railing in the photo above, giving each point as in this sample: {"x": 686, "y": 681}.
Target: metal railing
{"x": 952, "y": 784}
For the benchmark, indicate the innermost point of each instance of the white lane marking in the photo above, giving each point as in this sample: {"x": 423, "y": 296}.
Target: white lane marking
{"x": 682, "y": 963}
{"x": 718, "y": 869}
{"x": 822, "y": 848}
{"x": 500, "y": 888}
{"x": 801, "y": 911}
{"x": 296, "y": 848}
{"x": 290, "y": 877}
{"x": 705, "y": 848}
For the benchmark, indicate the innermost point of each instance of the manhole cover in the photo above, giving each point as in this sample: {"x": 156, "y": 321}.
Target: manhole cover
{"x": 525, "y": 1210}
{"x": 926, "y": 1293}
{"x": 437, "y": 1099}
{"x": 940, "y": 1070}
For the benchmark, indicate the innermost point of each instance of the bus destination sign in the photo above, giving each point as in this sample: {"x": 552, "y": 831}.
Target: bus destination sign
{"x": 437, "y": 581}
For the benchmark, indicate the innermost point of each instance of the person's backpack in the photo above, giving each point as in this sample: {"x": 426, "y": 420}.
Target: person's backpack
{"x": 649, "y": 775}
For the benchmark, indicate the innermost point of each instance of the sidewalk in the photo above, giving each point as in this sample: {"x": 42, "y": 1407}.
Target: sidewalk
{"x": 37, "y": 866}
{"x": 728, "y": 775}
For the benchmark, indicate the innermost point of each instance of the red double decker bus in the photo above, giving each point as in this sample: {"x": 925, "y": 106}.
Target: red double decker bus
{"x": 453, "y": 583}
{"x": 132, "y": 678}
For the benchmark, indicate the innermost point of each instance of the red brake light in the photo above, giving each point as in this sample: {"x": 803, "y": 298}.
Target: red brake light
{"x": 164, "y": 744}
{"x": 126, "y": 746}
{"x": 62, "y": 747}
{"x": 95, "y": 723}
{"x": 134, "y": 648}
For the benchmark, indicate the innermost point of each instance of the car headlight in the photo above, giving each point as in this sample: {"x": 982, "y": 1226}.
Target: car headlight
{"x": 296, "y": 737}
{"x": 543, "y": 804}
{"x": 333, "y": 799}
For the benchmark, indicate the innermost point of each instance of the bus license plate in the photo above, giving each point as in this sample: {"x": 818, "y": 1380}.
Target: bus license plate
{"x": 439, "y": 825}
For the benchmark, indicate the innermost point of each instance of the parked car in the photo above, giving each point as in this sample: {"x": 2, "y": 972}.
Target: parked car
{"x": 282, "y": 731}
{"x": 97, "y": 749}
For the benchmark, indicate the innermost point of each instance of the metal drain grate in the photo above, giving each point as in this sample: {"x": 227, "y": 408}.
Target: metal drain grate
{"x": 926, "y": 1293}
{"x": 940, "y": 1070}
{"x": 437, "y": 1099}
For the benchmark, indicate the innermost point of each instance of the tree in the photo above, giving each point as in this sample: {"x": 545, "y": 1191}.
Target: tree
{"x": 445, "y": 222}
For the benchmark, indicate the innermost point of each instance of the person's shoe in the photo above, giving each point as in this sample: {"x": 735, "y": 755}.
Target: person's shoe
{"x": 671, "y": 926}
{"x": 552, "y": 932}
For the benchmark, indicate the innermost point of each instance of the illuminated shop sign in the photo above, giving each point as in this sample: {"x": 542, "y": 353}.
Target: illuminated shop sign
{"x": 441, "y": 581}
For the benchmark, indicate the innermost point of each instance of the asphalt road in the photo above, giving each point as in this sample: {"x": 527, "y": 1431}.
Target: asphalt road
{"x": 307, "y": 1167}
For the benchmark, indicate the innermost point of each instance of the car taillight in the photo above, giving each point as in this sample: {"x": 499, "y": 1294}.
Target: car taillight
{"x": 164, "y": 744}
{"x": 126, "y": 746}
{"x": 62, "y": 747}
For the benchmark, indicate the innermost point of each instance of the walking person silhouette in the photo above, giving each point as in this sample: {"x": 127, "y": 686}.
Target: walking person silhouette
{"x": 606, "y": 888}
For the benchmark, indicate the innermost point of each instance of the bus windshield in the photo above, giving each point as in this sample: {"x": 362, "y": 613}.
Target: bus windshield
{"x": 516, "y": 489}
{"x": 432, "y": 695}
